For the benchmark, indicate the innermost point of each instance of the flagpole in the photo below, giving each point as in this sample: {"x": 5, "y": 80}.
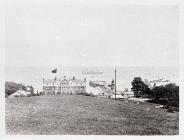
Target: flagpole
{"x": 55, "y": 78}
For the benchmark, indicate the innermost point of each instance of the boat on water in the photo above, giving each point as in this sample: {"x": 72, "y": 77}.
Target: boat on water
{"x": 92, "y": 72}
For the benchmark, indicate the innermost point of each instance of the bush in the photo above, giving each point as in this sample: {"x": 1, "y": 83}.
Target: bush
{"x": 86, "y": 94}
{"x": 11, "y": 87}
{"x": 89, "y": 94}
{"x": 158, "y": 92}
{"x": 167, "y": 95}
{"x": 170, "y": 110}
{"x": 92, "y": 95}
{"x": 166, "y": 106}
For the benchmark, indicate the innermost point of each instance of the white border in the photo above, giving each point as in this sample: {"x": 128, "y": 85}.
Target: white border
{"x": 3, "y": 5}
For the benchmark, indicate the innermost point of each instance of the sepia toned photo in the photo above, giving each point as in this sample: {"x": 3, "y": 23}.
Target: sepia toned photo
{"x": 92, "y": 69}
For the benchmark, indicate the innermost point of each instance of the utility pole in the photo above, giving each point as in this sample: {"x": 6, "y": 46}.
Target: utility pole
{"x": 115, "y": 83}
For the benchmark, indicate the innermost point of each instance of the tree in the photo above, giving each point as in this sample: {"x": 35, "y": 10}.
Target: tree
{"x": 159, "y": 92}
{"x": 172, "y": 94}
{"x": 172, "y": 91}
{"x": 11, "y": 87}
{"x": 112, "y": 84}
{"x": 139, "y": 87}
{"x": 168, "y": 94}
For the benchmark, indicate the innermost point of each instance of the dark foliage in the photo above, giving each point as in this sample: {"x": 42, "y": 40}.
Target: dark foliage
{"x": 139, "y": 87}
{"x": 11, "y": 87}
{"x": 170, "y": 110}
{"x": 112, "y": 86}
{"x": 167, "y": 95}
{"x": 86, "y": 94}
{"x": 159, "y": 92}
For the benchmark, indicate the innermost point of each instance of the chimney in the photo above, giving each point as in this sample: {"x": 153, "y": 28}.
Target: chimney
{"x": 64, "y": 77}
{"x": 73, "y": 77}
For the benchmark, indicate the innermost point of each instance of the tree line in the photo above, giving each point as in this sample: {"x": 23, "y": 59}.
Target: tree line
{"x": 12, "y": 87}
{"x": 166, "y": 94}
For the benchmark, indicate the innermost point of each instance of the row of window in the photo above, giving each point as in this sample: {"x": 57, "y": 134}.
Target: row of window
{"x": 67, "y": 84}
{"x": 58, "y": 88}
{"x": 51, "y": 88}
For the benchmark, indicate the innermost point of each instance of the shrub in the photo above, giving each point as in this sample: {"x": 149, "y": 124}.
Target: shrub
{"x": 158, "y": 92}
{"x": 92, "y": 95}
{"x": 86, "y": 94}
{"x": 170, "y": 110}
{"x": 168, "y": 94}
{"x": 166, "y": 106}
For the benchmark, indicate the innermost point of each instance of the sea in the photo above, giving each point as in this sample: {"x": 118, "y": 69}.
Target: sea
{"x": 33, "y": 75}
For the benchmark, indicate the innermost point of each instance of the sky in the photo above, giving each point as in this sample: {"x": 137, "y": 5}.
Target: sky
{"x": 92, "y": 35}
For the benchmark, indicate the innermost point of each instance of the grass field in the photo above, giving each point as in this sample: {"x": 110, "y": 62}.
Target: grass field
{"x": 83, "y": 115}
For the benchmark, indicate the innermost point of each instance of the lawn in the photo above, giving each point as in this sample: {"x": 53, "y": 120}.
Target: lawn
{"x": 84, "y": 115}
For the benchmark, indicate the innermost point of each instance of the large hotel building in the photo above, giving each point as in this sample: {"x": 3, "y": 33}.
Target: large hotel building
{"x": 58, "y": 86}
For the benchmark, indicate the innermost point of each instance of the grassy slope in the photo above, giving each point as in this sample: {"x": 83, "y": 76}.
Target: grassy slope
{"x": 76, "y": 114}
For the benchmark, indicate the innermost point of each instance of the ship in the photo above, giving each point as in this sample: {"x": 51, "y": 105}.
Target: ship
{"x": 92, "y": 72}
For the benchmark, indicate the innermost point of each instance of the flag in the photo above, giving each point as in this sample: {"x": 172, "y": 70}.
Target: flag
{"x": 54, "y": 71}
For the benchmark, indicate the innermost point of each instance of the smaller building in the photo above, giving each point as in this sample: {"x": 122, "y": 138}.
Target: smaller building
{"x": 105, "y": 92}
{"x": 100, "y": 91}
{"x": 97, "y": 83}
{"x": 127, "y": 93}
{"x": 19, "y": 93}
{"x": 92, "y": 90}
{"x": 159, "y": 82}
